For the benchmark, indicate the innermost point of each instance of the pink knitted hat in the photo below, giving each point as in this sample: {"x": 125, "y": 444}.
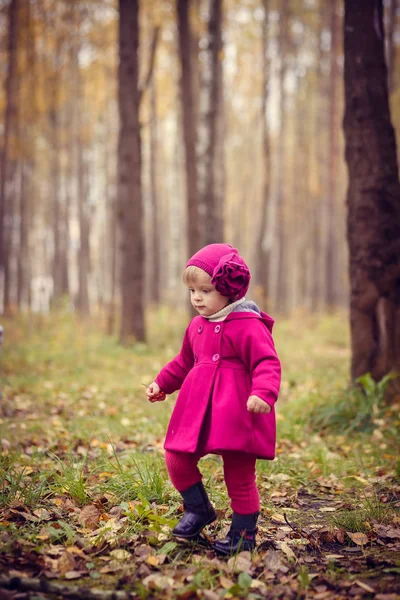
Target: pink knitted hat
{"x": 227, "y": 269}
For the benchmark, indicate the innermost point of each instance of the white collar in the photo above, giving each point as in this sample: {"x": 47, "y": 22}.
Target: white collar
{"x": 224, "y": 312}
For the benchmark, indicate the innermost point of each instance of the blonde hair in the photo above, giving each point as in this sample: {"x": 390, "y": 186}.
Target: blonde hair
{"x": 192, "y": 273}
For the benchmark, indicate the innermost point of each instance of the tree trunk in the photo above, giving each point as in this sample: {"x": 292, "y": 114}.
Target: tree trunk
{"x": 11, "y": 109}
{"x": 129, "y": 175}
{"x": 281, "y": 291}
{"x": 84, "y": 230}
{"x": 391, "y": 45}
{"x": 319, "y": 217}
{"x": 373, "y": 197}
{"x": 23, "y": 258}
{"x": 189, "y": 127}
{"x": 263, "y": 247}
{"x": 60, "y": 266}
{"x": 154, "y": 200}
{"x": 214, "y": 157}
{"x": 331, "y": 266}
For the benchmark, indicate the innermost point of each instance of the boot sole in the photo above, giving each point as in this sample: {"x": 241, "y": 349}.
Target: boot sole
{"x": 195, "y": 535}
{"x": 229, "y": 551}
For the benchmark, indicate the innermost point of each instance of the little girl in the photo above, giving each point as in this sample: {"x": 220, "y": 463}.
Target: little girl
{"x": 228, "y": 374}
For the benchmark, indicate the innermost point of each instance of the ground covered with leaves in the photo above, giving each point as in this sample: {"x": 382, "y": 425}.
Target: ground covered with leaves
{"x": 86, "y": 506}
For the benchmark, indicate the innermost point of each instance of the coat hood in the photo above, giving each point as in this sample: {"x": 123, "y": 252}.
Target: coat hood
{"x": 251, "y": 314}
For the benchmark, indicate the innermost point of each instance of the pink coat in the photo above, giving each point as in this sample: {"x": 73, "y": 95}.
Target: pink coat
{"x": 219, "y": 366}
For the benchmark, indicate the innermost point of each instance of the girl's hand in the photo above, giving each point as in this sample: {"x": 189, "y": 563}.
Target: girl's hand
{"x": 256, "y": 405}
{"x": 154, "y": 393}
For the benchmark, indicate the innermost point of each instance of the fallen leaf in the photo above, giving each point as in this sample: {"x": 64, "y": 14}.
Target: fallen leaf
{"x": 277, "y": 518}
{"x": 240, "y": 563}
{"x": 358, "y": 538}
{"x": 287, "y": 550}
{"x": 364, "y": 586}
{"x": 225, "y": 582}
{"x": 66, "y": 563}
{"x": 89, "y": 516}
{"x": 152, "y": 560}
{"x": 74, "y": 574}
{"x": 156, "y": 581}
{"x": 120, "y": 554}
{"x": 273, "y": 562}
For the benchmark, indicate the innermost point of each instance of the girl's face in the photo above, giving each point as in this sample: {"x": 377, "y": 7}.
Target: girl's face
{"x": 203, "y": 295}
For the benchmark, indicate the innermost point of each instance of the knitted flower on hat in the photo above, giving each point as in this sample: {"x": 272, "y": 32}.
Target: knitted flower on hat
{"x": 231, "y": 277}
{"x": 227, "y": 269}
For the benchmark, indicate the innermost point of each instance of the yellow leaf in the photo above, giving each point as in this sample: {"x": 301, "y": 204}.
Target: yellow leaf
{"x": 225, "y": 582}
{"x": 152, "y": 560}
{"x": 278, "y": 518}
{"x": 120, "y": 554}
{"x": 358, "y": 538}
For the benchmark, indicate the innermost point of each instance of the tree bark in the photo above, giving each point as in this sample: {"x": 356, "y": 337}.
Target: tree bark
{"x": 60, "y": 220}
{"x": 263, "y": 247}
{"x": 189, "y": 126}
{"x": 129, "y": 175}
{"x": 154, "y": 200}
{"x": 281, "y": 292}
{"x": 11, "y": 110}
{"x": 391, "y": 45}
{"x": 84, "y": 230}
{"x": 331, "y": 265}
{"x": 373, "y": 196}
{"x": 214, "y": 157}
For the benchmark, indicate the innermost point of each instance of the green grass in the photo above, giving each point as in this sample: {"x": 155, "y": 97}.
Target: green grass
{"x": 77, "y": 431}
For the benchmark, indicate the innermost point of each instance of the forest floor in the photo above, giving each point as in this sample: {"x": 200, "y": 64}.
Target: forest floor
{"x": 86, "y": 506}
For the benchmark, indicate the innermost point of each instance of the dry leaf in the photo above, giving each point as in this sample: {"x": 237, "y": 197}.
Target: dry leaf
{"x": 225, "y": 582}
{"x": 66, "y": 563}
{"x": 358, "y": 538}
{"x": 152, "y": 560}
{"x": 156, "y": 581}
{"x": 287, "y": 550}
{"x": 273, "y": 562}
{"x": 240, "y": 563}
{"x": 73, "y": 574}
{"x": 89, "y": 516}
{"x": 277, "y": 518}
{"x": 364, "y": 586}
{"x": 120, "y": 554}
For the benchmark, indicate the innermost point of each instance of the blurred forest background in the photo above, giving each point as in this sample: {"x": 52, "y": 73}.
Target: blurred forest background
{"x": 231, "y": 114}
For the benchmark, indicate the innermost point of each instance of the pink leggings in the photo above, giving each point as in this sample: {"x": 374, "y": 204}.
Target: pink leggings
{"x": 239, "y": 474}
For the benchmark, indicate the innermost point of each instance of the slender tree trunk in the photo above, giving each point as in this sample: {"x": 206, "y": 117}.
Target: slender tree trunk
{"x": 84, "y": 230}
{"x": 320, "y": 214}
{"x": 391, "y": 45}
{"x": 263, "y": 246}
{"x": 373, "y": 197}
{"x": 189, "y": 126}
{"x": 10, "y": 115}
{"x": 112, "y": 236}
{"x": 281, "y": 297}
{"x": 331, "y": 265}
{"x": 129, "y": 175}
{"x": 155, "y": 209}
{"x": 59, "y": 221}
{"x": 23, "y": 258}
{"x": 215, "y": 169}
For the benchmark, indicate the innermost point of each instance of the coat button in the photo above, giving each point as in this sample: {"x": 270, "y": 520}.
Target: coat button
{"x": 217, "y": 328}
{"x": 215, "y": 357}
{"x": 200, "y": 329}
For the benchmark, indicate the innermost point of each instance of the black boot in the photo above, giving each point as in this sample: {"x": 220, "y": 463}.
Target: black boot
{"x": 241, "y": 536}
{"x": 199, "y": 512}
